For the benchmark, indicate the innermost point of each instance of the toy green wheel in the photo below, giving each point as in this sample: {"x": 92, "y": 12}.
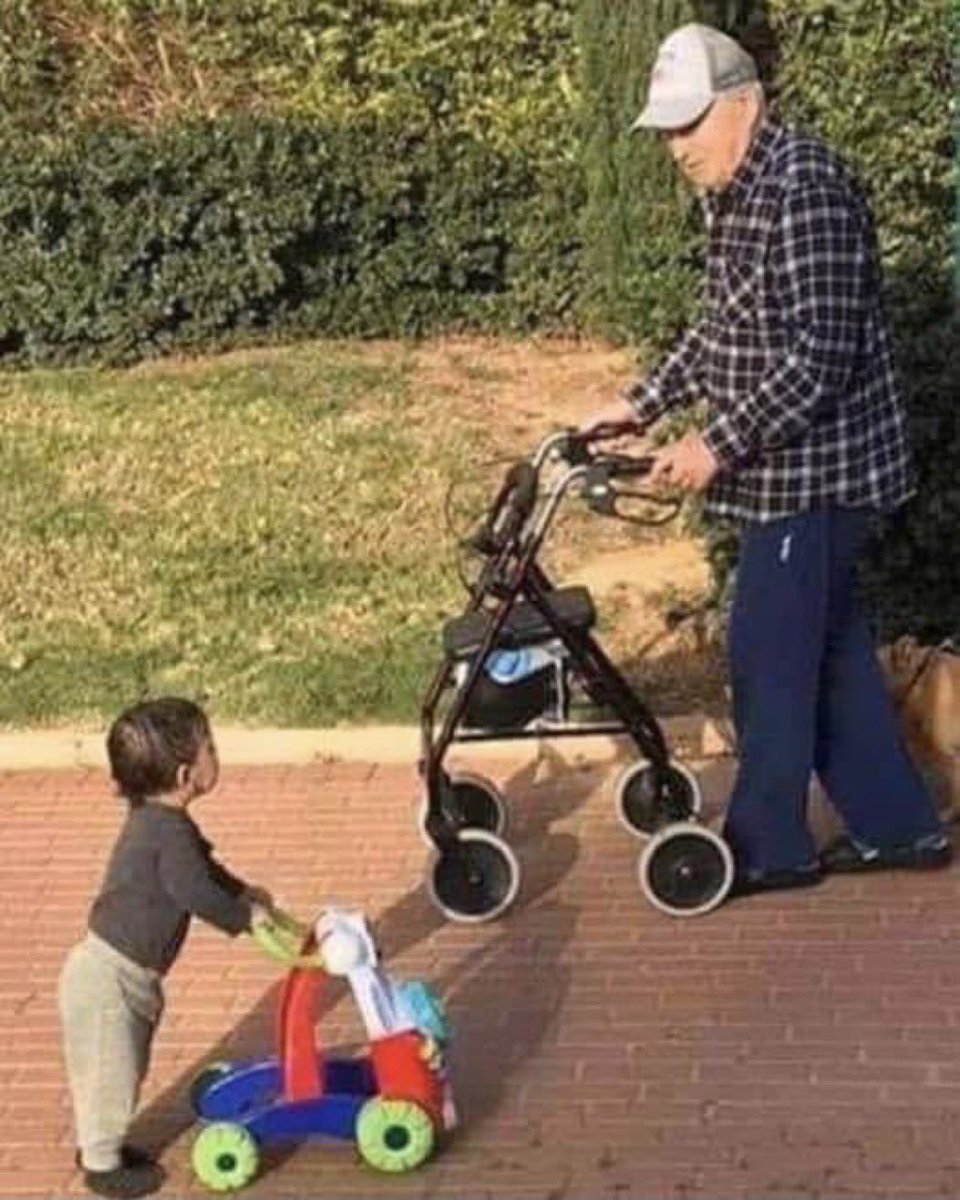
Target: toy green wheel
{"x": 204, "y": 1080}
{"x": 225, "y": 1157}
{"x": 394, "y": 1135}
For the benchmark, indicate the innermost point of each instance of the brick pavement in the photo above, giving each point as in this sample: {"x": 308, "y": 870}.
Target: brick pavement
{"x": 801, "y": 1045}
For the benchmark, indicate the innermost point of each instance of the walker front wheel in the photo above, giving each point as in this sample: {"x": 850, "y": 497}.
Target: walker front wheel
{"x": 475, "y": 878}
{"x": 686, "y": 870}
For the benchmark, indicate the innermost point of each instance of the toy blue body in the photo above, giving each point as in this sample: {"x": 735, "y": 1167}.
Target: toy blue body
{"x": 252, "y": 1095}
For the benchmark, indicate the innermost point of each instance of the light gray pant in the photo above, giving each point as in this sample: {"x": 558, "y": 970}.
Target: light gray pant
{"x": 109, "y": 1009}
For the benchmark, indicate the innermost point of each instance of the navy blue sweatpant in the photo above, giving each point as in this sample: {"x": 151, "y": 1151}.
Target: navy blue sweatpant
{"x": 809, "y": 696}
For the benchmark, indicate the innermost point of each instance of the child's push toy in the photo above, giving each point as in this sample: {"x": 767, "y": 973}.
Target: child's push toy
{"x": 394, "y": 1100}
{"x": 518, "y": 661}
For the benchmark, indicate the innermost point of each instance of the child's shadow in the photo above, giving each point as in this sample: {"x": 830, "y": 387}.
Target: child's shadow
{"x": 542, "y": 795}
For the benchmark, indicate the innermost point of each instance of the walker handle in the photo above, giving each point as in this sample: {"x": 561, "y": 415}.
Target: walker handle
{"x": 576, "y": 446}
{"x": 608, "y": 430}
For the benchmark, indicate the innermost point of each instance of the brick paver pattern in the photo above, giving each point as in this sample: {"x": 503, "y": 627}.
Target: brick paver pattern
{"x": 806, "y": 1044}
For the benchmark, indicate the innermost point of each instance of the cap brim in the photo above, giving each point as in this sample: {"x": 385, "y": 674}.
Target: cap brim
{"x": 674, "y": 114}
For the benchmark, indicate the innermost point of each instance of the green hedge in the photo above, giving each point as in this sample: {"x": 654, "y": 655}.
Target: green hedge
{"x": 500, "y": 70}
{"x": 117, "y": 245}
{"x": 183, "y": 173}
{"x": 913, "y": 574}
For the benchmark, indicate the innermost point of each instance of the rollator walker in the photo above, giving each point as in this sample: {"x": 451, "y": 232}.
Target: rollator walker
{"x": 518, "y": 663}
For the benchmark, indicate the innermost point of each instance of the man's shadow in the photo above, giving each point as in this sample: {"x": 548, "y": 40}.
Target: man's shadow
{"x": 544, "y": 791}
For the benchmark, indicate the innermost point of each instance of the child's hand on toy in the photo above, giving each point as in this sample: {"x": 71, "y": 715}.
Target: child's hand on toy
{"x": 260, "y": 915}
{"x": 259, "y": 896}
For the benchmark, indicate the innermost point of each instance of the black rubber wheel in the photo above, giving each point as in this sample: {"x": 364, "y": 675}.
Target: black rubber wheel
{"x": 203, "y": 1081}
{"x": 686, "y": 870}
{"x": 472, "y": 802}
{"x": 644, "y": 811}
{"x": 475, "y": 879}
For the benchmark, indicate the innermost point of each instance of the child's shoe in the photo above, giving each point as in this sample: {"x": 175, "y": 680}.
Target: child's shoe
{"x": 125, "y": 1182}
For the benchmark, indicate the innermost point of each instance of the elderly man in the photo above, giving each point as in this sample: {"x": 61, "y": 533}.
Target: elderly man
{"x": 805, "y": 437}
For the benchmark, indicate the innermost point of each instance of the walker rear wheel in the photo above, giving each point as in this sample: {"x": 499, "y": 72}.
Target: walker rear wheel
{"x": 686, "y": 870}
{"x": 472, "y": 802}
{"x": 475, "y": 878}
{"x": 643, "y": 809}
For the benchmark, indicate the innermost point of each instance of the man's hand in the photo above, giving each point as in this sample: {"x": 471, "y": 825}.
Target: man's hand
{"x": 618, "y": 412}
{"x": 689, "y": 464}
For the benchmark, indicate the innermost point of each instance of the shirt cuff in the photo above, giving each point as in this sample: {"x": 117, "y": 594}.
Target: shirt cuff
{"x": 646, "y": 400}
{"x": 724, "y": 442}
{"x": 240, "y": 919}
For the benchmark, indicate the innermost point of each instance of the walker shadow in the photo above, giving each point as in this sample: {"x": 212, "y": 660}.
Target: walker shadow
{"x": 525, "y": 963}
{"x": 506, "y": 995}
{"x": 549, "y": 788}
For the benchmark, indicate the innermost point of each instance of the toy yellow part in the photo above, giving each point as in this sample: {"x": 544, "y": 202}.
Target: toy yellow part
{"x": 282, "y": 937}
{"x": 431, "y": 1053}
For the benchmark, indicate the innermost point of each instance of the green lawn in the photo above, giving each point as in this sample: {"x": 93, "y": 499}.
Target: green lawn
{"x": 263, "y": 531}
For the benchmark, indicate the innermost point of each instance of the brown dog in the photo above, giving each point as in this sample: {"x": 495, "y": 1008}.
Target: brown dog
{"x": 925, "y": 684}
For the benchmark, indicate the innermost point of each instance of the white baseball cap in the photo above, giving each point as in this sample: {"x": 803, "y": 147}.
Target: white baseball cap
{"x": 694, "y": 66}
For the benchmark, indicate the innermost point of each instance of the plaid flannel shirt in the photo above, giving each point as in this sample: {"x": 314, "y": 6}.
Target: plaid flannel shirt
{"x": 792, "y": 352}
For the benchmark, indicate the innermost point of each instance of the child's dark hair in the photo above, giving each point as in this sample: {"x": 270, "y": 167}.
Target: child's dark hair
{"x": 148, "y": 743}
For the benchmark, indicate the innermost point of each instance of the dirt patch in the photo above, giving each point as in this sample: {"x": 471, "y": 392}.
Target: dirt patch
{"x": 676, "y": 667}
{"x": 508, "y": 396}
{"x": 525, "y": 389}
{"x": 675, "y": 565}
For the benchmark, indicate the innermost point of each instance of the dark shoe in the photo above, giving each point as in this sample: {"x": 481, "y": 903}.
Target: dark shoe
{"x": 847, "y": 856}
{"x": 125, "y": 1183}
{"x": 130, "y": 1156}
{"x": 774, "y": 881}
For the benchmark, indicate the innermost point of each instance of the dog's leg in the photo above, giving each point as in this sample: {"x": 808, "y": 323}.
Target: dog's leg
{"x": 941, "y": 773}
{"x": 951, "y": 811}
